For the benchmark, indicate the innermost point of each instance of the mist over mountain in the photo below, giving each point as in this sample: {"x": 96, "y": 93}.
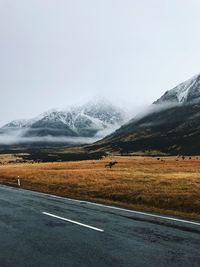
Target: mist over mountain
{"x": 171, "y": 125}
{"x": 82, "y": 124}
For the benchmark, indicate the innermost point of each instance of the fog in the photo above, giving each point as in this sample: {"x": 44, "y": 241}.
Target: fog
{"x": 12, "y": 136}
{"x": 16, "y": 137}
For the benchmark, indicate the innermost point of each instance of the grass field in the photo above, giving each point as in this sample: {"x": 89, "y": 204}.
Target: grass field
{"x": 168, "y": 185}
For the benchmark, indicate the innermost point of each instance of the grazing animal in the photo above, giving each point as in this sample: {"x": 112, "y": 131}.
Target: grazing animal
{"x": 110, "y": 164}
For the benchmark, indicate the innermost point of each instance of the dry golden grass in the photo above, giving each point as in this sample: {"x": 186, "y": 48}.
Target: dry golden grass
{"x": 11, "y": 158}
{"x": 170, "y": 185}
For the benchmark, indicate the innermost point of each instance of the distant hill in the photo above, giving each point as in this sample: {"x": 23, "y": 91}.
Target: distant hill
{"x": 170, "y": 126}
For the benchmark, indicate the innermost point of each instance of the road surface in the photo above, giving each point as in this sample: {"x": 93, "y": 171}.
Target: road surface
{"x": 43, "y": 230}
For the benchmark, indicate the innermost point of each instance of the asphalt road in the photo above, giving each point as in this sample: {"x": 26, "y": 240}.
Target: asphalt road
{"x": 41, "y": 230}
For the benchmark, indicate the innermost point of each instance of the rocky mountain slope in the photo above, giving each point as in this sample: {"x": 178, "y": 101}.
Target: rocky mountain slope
{"x": 170, "y": 126}
{"x": 185, "y": 92}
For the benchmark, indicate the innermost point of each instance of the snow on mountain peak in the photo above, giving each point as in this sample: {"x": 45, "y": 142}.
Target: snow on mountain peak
{"x": 183, "y": 89}
{"x": 87, "y": 120}
{"x": 17, "y": 123}
{"x": 185, "y": 92}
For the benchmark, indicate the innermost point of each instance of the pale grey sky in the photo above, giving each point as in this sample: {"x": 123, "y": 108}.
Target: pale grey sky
{"x": 54, "y": 53}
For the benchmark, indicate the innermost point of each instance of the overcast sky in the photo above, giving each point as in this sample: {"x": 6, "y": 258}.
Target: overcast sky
{"x": 55, "y": 53}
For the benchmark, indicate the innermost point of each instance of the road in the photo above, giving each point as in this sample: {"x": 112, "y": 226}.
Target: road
{"x": 43, "y": 230}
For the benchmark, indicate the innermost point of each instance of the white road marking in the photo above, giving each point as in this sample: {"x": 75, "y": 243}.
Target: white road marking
{"x": 74, "y": 222}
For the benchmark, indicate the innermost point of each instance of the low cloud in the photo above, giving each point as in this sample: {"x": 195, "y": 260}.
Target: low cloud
{"x": 107, "y": 131}
{"x": 154, "y": 108}
{"x": 12, "y": 137}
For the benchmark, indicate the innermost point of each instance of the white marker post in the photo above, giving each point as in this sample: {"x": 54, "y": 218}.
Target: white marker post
{"x": 18, "y": 181}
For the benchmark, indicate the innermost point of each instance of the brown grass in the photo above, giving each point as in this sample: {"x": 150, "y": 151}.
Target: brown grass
{"x": 170, "y": 185}
{"x": 11, "y": 158}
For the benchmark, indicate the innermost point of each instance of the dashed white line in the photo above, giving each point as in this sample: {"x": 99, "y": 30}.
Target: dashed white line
{"x": 74, "y": 222}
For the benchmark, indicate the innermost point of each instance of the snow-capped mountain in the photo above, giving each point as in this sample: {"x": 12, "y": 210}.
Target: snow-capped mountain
{"x": 171, "y": 125}
{"x": 17, "y": 123}
{"x": 94, "y": 119}
{"x": 185, "y": 92}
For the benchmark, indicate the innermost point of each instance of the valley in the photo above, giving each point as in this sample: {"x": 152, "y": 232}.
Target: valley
{"x": 167, "y": 185}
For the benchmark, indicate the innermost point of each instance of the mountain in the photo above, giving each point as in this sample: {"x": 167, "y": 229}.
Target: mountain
{"x": 185, "y": 92}
{"x": 171, "y": 125}
{"x": 95, "y": 119}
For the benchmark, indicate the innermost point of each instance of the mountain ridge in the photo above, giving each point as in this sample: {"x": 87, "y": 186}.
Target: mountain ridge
{"x": 185, "y": 92}
{"x": 170, "y": 126}
{"x": 89, "y": 120}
